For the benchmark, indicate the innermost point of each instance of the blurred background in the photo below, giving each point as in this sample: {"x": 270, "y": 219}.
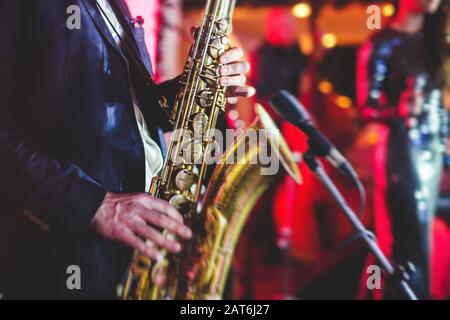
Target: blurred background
{"x": 324, "y": 37}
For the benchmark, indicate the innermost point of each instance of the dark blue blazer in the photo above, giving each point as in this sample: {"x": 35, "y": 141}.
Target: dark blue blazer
{"x": 68, "y": 135}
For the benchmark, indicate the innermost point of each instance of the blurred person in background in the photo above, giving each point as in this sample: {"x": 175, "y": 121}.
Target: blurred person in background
{"x": 278, "y": 63}
{"x": 400, "y": 88}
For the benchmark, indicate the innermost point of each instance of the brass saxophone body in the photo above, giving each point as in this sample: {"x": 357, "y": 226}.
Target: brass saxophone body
{"x": 216, "y": 212}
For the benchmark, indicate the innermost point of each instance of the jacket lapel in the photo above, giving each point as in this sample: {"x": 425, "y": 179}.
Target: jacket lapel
{"x": 137, "y": 35}
{"x": 100, "y": 23}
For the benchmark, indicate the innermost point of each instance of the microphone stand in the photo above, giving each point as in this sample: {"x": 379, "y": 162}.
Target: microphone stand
{"x": 284, "y": 244}
{"x": 397, "y": 277}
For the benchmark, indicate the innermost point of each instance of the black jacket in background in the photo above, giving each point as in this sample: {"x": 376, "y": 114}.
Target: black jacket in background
{"x": 68, "y": 135}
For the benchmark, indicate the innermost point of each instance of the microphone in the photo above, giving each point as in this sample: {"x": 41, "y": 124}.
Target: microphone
{"x": 291, "y": 109}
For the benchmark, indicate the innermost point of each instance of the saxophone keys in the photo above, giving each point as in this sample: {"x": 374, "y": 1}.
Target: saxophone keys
{"x": 204, "y": 99}
{"x": 163, "y": 103}
{"x": 225, "y": 41}
{"x": 200, "y": 123}
{"x": 216, "y": 49}
{"x": 159, "y": 273}
{"x": 194, "y": 189}
{"x": 222, "y": 25}
{"x": 184, "y": 180}
{"x": 179, "y": 201}
{"x": 193, "y": 152}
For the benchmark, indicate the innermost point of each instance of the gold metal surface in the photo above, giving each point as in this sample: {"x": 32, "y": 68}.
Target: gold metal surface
{"x": 217, "y": 213}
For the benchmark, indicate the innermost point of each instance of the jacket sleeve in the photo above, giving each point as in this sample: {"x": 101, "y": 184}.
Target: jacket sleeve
{"x": 59, "y": 193}
{"x": 372, "y": 69}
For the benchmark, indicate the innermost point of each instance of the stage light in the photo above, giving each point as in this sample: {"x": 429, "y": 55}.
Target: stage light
{"x": 326, "y": 87}
{"x": 388, "y": 10}
{"x": 301, "y": 10}
{"x": 344, "y": 102}
{"x": 329, "y": 40}
{"x": 373, "y": 137}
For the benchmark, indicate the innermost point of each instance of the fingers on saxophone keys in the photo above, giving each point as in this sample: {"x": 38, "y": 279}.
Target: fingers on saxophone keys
{"x": 162, "y": 221}
{"x": 135, "y": 242}
{"x": 233, "y": 81}
{"x": 235, "y": 68}
{"x": 162, "y": 206}
{"x": 240, "y": 91}
{"x": 149, "y": 233}
{"x": 231, "y": 55}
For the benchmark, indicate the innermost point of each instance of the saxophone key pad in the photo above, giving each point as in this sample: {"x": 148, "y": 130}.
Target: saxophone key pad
{"x": 205, "y": 98}
{"x": 200, "y": 123}
{"x": 193, "y": 152}
{"x": 216, "y": 49}
{"x": 184, "y": 180}
{"x": 178, "y": 201}
{"x": 222, "y": 25}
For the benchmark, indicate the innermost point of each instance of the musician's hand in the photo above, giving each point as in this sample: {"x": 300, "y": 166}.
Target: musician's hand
{"x": 232, "y": 75}
{"x": 133, "y": 218}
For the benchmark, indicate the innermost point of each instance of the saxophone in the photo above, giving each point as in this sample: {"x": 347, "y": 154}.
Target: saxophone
{"x": 217, "y": 212}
